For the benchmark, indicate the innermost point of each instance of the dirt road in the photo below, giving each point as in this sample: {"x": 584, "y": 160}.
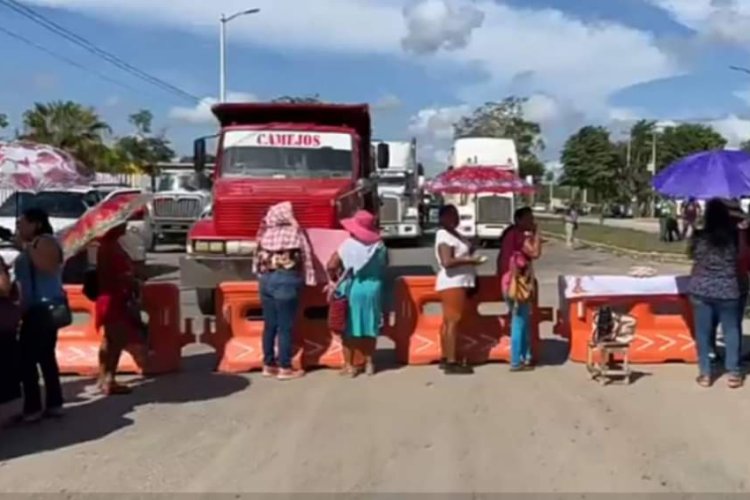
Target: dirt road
{"x": 405, "y": 430}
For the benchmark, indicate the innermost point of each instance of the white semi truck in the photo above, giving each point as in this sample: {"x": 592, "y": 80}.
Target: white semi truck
{"x": 484, "y": 216}
{"x": 399, "y": 191}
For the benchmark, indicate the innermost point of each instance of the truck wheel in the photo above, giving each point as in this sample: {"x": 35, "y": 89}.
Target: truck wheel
{"x": 206, "y": 298}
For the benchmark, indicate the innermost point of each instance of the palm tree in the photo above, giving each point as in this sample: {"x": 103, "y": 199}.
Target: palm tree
{"x": 69, "y": 126}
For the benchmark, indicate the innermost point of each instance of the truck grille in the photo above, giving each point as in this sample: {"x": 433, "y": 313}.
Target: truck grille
{"x": 494, "y": 210}
{"x": 171, "y": 207}
{"x": 389, "y": 210}
{"x": 241, "y": 217}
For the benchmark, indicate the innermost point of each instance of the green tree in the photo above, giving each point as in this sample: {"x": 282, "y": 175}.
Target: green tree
{"x": 144, "y": 149}
{"x": 590, "y": 161}
{"x": 3, "y": 121}
{"x": 745, "y": 146}
{"x": 685, "y": 139}
{"x": 505, "y": 120}
{"x": 69, "y": 126}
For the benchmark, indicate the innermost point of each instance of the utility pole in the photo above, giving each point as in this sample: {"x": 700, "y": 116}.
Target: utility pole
{"x": 223, "y": 20}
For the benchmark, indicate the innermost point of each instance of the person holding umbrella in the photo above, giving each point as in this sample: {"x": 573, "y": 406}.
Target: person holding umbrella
{"x": 117, "y": 310}
{"x": 715, "y": 290}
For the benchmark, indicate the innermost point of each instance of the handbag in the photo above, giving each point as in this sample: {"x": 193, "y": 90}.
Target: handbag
{"x": 91, "y": 284}
{"x": 59, "y": 312}
{"x": 519, "y": 282}
{"x": 338, "y": 304}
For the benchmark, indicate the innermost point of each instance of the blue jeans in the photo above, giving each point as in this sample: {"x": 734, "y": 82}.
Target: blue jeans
{"x": 520, "y": 333}
{"x": 708, "y": 313}
{"x": 279, "y": 295}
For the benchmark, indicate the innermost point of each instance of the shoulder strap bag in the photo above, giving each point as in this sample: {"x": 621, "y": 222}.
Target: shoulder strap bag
{"x": 59, "y": 312}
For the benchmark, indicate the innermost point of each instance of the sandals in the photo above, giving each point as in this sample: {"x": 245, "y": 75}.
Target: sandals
{"x": 704, "y": 381}
{"x": 735, "y": 381}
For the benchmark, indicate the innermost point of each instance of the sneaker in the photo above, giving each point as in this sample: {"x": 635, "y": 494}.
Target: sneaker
{"x": 289, "y": 374}
{"x": 456, "y": 369}
{"x": 270, "y": 371}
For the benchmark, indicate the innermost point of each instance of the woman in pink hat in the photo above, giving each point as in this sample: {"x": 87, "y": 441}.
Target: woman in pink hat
{"x": 359, "y": 266}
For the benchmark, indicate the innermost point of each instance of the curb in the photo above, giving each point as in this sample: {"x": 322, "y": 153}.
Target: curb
{"x": 670, "y": 258}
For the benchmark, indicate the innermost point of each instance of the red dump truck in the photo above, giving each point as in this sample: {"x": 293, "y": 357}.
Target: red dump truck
{"x": 317, "y": 156}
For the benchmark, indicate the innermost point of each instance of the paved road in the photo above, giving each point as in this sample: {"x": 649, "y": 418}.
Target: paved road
{"x": 645, "y": 225}
{"x": 405, "y": 430}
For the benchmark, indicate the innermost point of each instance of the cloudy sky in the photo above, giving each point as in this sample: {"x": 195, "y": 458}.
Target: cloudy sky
{"x": 420, "y": 63}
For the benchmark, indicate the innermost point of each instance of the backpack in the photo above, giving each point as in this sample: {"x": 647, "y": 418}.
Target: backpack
{"x": 604, "y": 325}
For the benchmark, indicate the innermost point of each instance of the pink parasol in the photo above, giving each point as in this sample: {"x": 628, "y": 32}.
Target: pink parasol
{"x": 324, "y": 243}
{"x": 29, "y": 166}
{"x": 479, "y": 179}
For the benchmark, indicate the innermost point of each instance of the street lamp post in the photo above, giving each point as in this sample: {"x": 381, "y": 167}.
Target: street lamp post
{"x": 223, "y": 20}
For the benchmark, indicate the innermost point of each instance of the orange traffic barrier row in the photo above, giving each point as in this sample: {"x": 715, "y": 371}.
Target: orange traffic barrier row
{"x": 238, "y": 339}
{"x": 481, "y": 337}
{"x": 78, "y": 345}
{"x": 663, "y": 325}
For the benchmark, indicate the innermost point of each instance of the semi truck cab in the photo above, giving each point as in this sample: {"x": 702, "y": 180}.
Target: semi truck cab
{"x": 317, "y": 156}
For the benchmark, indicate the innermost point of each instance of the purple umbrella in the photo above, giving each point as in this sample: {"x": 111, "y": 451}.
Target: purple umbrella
{"x": 711, "y": 174}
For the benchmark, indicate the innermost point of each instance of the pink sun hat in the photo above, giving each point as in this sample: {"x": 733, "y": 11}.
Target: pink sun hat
{"x": 362, "y": 226}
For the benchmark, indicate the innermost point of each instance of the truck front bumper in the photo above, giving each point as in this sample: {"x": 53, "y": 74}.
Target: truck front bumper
{"x": 208, "y": 271}
{"x": 400, "y": 231}
{"x": 490, "y": 231}
{"x": 172, "y": 227}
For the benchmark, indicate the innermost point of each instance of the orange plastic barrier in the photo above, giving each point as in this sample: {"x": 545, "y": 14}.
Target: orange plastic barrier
{"x": 238, "y": 339}
{"x": 662, "y": 333}
{"x": 481, "y": 338}
{"x": 78, "y": 345}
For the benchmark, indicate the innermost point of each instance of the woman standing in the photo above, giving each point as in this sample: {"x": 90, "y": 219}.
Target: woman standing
{"x": 519, "y": 246}
{"x": 359, "y": 265}
{"x": 38, "y": 271}
{"x": 715, "y": 291}
{"x": 116, "y": 307}
{"x": 457, "y": 275}
{"x": 10, "y": 382}
{"x": 284, "y": 265}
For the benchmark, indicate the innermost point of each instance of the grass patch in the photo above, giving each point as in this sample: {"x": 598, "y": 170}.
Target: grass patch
{"x": 628, "y": 239}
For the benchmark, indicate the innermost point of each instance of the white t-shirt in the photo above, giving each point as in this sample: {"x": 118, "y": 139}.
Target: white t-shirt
{"x": 457, "y": 277}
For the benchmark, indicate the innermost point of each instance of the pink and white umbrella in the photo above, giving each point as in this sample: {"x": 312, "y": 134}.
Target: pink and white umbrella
{"x": 28, "y": 166}
{"x": 479, "y": 179}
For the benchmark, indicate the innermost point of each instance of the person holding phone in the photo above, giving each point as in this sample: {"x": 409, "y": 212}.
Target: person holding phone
{"x": 456, "y": 276}
{"x": 520, "y": 245}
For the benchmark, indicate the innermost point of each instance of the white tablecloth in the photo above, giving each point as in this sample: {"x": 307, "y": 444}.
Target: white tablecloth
{"x": 575, "y": 287}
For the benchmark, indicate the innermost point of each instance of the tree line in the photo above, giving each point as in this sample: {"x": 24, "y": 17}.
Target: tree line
{"x": 614, "y": 170}
{"x": 80, "y": 131}
{"x": 620, "y": 171}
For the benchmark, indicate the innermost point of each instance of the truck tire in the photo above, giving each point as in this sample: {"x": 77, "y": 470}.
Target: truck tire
{"x": 206, "y": 298}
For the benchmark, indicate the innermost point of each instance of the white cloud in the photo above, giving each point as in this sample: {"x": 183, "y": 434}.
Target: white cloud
{"x": 735, "y": 129}
{"x": 571, "y": 67}
{"x": 440, "y": 24}
{"x": 201, "y": 114}
{"x": 721, "y": 20}
{"x": 436, "y": 124}
{"x": 387, "y": 102}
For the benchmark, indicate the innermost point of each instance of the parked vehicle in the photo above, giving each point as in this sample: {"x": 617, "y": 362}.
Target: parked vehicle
{"x": 485, "y": 215}
{"x": 178, "y": 202}
{"x": 400, "y": 194}
{"x": 317, "y": 156}
{"x": 65, "y": 207}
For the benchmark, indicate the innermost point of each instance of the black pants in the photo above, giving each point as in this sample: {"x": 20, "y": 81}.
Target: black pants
{"x": 37, "y": 342}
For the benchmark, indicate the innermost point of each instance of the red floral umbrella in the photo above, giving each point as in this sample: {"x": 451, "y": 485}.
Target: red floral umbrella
{"x": 479, "y": 179}
{"x": 98, "y": 220}
{"x": 30, "y": 166}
